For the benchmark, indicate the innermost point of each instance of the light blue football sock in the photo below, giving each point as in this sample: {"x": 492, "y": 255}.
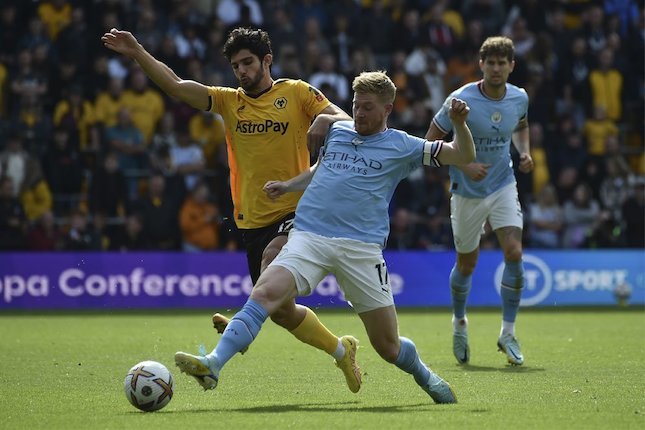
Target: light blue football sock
{"x": 459, "y": 289}
{"x": 240, "y": 332}
{"x": 511, "y": 291}
{"x": 409, "y": 361}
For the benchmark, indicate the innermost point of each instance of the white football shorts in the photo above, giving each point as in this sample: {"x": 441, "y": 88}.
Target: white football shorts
{"x": 468, "y": 216}
{"x": 359, "y": 268}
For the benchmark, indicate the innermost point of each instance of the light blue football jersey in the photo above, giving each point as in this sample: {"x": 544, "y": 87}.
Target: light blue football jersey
{"x": 491, "y": 123}
{"x": 350, "y": 192}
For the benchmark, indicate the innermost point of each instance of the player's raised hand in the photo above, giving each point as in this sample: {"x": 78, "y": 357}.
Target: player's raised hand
{"x": 122, "y": 42}
{"x": 458, "y": 111}
{"x": 274, "y": 189}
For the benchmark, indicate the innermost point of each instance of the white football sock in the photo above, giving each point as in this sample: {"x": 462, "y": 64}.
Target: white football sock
{"x": 340, "y": 351}
{"x": 460, "y": 325}
{"x": 508, "y": 327}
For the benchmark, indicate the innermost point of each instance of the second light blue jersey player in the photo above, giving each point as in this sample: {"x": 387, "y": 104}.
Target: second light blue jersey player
{"x": 485, "y": 191}
{"x": 358, "y": 175}
{"x": 492, "y": 123}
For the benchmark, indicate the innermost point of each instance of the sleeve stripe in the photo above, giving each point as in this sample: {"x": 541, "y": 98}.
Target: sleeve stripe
{"x": 431, "y": 151}
{"x": 439, "y": 127}
{"x": 210, "y": 103}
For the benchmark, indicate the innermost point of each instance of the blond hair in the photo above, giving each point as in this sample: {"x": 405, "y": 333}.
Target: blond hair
{"x": 498, "y": 46}
{"x": 377, "y": 83}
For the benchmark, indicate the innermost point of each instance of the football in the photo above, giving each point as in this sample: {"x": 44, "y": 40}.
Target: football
{"x": 148, "y": 386}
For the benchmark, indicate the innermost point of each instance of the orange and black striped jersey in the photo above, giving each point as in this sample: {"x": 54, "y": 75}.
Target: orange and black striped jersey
{"x": 267, "y": 140}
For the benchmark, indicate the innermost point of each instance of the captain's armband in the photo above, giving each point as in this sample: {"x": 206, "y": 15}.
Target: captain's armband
{"x": 431, "y": 151}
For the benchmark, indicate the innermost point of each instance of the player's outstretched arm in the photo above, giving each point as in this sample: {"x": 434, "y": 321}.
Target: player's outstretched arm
{"x": 462, "y": 149}
{"x": 191, "y": 92}
{"x": 275, "y": 189}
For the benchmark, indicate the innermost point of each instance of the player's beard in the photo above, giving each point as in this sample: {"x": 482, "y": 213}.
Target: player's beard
{"x": 252, "y": 86}
{"x": 495, "y": 83}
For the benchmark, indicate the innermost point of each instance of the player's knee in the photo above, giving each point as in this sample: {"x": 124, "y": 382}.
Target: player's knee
{"x": 513, "y": 253}
{"x": 258, "y": 294}
{"x": 268, "y": 255}
{"x": 262, "y": 293}
{"x": 466, "y": 267}
{"x": 274, "y": 288}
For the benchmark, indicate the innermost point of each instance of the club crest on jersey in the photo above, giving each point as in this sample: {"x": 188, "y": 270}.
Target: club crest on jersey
{"x": 496, "y": 117}
{"x": 280, "y": 103}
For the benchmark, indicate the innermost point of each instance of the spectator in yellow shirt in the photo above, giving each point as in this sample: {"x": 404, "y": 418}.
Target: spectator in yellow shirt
{"x": 35, "y": 196}
{"x": 77, "y": 113}
{"x": 597, "y": 129}
{"x": 541, "y": 175}
{"x": 607, "y": 85}
{"x": 108, "y": 103}
{"x": 145, "y": 104}
{"x": 207, "y": 128}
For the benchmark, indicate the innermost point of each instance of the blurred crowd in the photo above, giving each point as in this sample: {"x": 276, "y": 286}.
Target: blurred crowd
{"x": 93, "y": 156}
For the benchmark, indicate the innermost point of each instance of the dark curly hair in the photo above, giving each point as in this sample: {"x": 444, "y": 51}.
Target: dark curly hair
{"x": 497, "y": 46}
{"x": 255, "y": 40}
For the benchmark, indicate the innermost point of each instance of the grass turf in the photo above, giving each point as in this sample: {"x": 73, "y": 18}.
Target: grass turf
{"x": 583, "y": 369}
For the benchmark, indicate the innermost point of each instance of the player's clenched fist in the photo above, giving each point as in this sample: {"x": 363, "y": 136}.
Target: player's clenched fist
{"x": 458, "y": 110}
{"x": 122, "y": 42}
{"x": 274, "y": 189}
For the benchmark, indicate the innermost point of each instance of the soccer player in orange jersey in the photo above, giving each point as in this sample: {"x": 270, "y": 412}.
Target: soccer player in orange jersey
{"x": 270, "y": 126}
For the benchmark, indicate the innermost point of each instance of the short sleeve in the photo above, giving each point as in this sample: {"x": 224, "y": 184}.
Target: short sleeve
{"x": 217, "y": 97}
{"x": 525, "y": 106}
{"x": 441, "y": 119}
{"x": 313, "y": 101}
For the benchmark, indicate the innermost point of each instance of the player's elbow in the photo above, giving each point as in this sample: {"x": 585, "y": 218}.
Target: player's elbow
{"x": 173, "y": 89}
{"x": 188, "y": 92}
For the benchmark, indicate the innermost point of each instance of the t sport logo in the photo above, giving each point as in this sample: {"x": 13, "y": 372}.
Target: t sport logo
{"x": 581, "y": 282}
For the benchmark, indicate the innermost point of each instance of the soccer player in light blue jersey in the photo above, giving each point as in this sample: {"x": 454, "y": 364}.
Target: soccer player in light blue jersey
{"x": 340, "y": 227}
{"x": 485, "y": 190}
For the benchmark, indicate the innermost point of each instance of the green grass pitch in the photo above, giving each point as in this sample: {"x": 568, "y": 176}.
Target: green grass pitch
{"x": 584, "y": 369}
